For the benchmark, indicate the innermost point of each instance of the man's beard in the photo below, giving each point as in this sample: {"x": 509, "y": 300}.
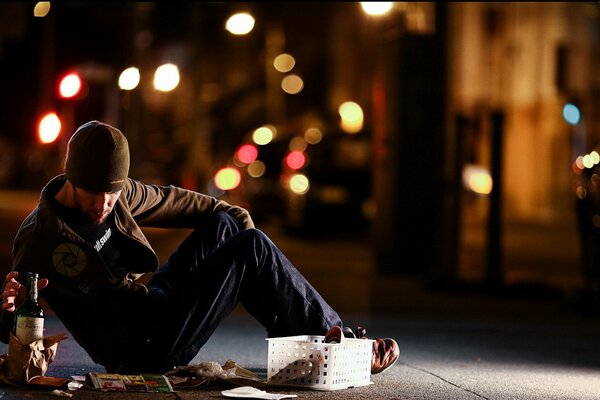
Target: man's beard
{"x": 93, "y": 217}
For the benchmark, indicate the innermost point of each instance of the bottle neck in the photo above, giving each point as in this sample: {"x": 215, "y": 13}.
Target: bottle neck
{"x": 32, "y": 290}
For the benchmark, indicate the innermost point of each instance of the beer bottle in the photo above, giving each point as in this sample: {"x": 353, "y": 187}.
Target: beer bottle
{"x": 29, "y": 317}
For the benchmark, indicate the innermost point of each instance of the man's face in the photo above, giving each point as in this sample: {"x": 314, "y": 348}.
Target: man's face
{"x": 96, "y": 206}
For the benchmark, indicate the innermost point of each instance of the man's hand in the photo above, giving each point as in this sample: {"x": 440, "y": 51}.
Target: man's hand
{"x": 14, "y": 293}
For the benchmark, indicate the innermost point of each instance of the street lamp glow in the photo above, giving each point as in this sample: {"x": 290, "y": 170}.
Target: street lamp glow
{"x": 284, "y": 62}
{"x": 376, "y": 7}
{"x": 49, "y": 128}
{"x": 166, "y": 77}
{"x": 240, "y": 23}
{"x": 292, "y": 84}
{"x": 41, "y": 9}
{"x": 352, "y": 117}
{"x": 227, "y": 178}
{"x": 477, "y": 179}
{"x": 129, "y": 78}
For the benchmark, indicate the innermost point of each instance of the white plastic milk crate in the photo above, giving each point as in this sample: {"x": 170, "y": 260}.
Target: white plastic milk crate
{"x": 308, "y": 362}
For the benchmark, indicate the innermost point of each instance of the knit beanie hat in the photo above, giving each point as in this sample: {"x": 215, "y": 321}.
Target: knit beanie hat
{"x": 97, "y": 158}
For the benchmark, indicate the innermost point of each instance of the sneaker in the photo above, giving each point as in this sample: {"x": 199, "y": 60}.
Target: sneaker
{"x": 385, "y": 351}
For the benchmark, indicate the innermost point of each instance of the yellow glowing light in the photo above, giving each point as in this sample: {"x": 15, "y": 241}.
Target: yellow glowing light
{"x": 240, "y": 23}
{"x": 299, "y": 184}
{"x": 284, "y": 63}
{"x": 49, "y": 128}
{"x": 227, "y": 178}
{"x": 292, "y": 84}
{"x": 166, "y": 77}
{"x": 352, "y": 117}
{"x": 257, "y": 169}
{"x": 376, "y": 7}
{"x": 477, "y": 179}
{"x": 313, "y": 135}
{"x": 481, "y": 183}
{"x": 595, "y": 157}
{"x": 263, "y": 135}
{"x": 129, "y": 78}
{"x": 41, "y": 9}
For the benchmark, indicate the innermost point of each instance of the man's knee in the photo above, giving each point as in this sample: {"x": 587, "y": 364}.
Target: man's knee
{"x": 220, "y": 224}
{"x": 222, "y": 218}
{"x": 256, "y": 241}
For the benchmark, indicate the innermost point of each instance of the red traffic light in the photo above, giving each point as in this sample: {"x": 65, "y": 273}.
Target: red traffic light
{"x": 70, "y": 85}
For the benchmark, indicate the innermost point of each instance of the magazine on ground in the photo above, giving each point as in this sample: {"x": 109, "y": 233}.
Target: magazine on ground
{"x": 130, "y": 383}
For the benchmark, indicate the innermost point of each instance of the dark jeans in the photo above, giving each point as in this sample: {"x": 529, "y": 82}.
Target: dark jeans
{"x": 214, "y": 269}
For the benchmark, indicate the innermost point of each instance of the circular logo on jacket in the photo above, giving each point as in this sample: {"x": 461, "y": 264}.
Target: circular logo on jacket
{"x": 69, "y": 259}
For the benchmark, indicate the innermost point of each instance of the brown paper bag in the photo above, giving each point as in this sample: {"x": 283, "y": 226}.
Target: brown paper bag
{"x": 28, "y": 360}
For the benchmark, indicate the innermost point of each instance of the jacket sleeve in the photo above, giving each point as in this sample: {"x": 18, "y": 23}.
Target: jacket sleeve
{"x": 174, "y": 207}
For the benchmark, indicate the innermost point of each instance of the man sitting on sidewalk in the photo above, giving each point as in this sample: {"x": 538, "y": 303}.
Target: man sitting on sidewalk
{"x": 85, "y": 242}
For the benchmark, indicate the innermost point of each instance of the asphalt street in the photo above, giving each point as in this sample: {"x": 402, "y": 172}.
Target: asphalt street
{"x": 517, "y": 349}
{"x": 456, "y": 343}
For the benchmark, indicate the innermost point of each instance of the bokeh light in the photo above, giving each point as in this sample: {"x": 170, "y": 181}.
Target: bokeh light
{"x": 571, "y": 114}
{"x": 295, "y": 160}
{"x": 284, "y": 62}
{"x": 352, "y": 117}
{"x": 70, "y": 85}
{"x": 588, "y": 162}
{"x": 129, "y": 78}
{"x": 246, "y": 153}
{"x": 166, "y": 77}
{"x": 49, "y": 128}
{"x": 264, "y": 135}
{"x": 313, "y": 135}
{"x": 41, "y": 9}
{"x": 477, "y": 179}
{"x": 292, "y": 84}
{"x": 376, "y": 7}
{"x": 297, "y": 144}
{"x": 257, "y": 169}
{"x": 579, "y": 162}
{"x": 240, "y": 23}
{"x": 299, "y": 184}
{"x": 227, "y": 178}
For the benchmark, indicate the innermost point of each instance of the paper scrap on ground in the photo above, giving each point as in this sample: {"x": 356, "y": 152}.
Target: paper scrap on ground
{"x": 249, "y": 392}
{"x": 193, "y": 376}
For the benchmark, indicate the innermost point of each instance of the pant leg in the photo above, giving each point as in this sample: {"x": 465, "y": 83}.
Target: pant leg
{"x": 246, "y": 267}
{"x": 212, "y": 231}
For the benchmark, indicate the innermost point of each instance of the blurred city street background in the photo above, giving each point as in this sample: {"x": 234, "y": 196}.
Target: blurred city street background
{"x": 428, "y": 166}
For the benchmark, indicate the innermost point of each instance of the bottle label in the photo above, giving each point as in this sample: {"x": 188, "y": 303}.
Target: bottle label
{"x": 29, "y": 329}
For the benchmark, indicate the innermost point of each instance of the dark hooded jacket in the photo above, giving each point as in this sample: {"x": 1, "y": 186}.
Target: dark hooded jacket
{"x": 96, "y": 306}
